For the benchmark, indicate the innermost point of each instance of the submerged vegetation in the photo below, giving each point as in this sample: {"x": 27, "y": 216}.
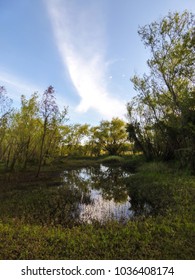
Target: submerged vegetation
{"x": 50, "y": 169}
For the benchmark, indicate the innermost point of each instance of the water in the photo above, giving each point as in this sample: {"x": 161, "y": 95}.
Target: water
{"x": 78, "y": 196}
{"x": 106, "y": 191}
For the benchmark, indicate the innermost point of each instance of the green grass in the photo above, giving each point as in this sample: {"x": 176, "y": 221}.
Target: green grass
{"x": 166, "y": 189}
{"x": 159, "y": 238}
{"x": 112, "y": 159}
{"x": 127, "y": 162}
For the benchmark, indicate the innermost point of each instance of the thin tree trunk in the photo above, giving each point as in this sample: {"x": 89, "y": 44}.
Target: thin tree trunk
{"x": 41, "y": 152}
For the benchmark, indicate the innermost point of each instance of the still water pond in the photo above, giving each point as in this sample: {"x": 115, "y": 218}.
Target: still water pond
{"x": 79, "y": 196}
{"x": 103, "y": 191}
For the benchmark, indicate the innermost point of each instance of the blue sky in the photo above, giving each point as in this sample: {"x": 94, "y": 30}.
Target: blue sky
{"x": 86, "y": 49}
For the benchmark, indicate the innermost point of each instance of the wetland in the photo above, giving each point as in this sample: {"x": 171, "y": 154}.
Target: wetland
{"x": 98, "y": 211}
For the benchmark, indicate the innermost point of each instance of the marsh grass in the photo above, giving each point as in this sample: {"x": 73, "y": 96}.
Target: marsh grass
{"x": 159, "y": 238}
{"x": 166, "y": 189}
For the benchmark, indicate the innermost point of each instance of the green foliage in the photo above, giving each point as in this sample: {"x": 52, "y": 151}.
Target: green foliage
{"x": 36, "y": 134}
{"x": 111, "y": 137}
{"x": 170, "y": 238}
{"x": 32, "y": 133}
{"x": 162, "y": 115}
{"x": 75, "y": 138}
{"x": 113, "y": 159}
{"x": 160, "y": 189}
{"x": 52, "y": 119}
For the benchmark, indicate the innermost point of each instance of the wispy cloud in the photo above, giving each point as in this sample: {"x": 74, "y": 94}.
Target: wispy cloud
{"x": 81, "y": 42}
{"x": 16, "y": 86}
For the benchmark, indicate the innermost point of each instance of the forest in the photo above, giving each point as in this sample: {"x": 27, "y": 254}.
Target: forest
{"x": 37, "y": 133}
{"x": 156, "y": 143}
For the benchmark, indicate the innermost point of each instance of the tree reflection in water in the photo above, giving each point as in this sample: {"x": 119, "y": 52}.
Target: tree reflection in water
{"x": 96, "y": 193}
{"x": 106, "y": 188}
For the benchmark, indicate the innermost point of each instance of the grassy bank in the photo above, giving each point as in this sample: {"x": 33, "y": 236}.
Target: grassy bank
{"x": 166, "y": 229}
{"x": 159, "y": 238}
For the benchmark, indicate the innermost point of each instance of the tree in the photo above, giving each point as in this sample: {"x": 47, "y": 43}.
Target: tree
{"x": 21, "y": 133}
{"x": 5, "y": 112}
{"x": 28, "y": 128}
{"x": 94, "y": 144}
{"x": 32, "y": 133}
{"x": 162, "y": 115}
{"x": 74, "y": 138}
{"x": 5, "y": 104}
{"x": 51, "y": 119}
{"x": 111, "y": 136}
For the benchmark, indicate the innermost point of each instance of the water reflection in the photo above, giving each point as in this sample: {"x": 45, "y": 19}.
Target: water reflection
{"x": 107, "y": 192}
{"x": 83, "y": 195}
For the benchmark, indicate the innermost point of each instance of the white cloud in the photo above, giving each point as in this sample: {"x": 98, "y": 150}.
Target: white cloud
{"x": 80, "y": 40}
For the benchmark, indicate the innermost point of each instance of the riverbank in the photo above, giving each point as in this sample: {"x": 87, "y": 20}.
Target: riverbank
{"x": 166, "y": 232}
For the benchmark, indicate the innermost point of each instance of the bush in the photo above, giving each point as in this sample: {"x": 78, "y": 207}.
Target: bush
{"x": 112, "y": 159}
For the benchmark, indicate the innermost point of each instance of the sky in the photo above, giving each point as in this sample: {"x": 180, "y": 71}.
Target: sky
{"x": 86, "y": 49}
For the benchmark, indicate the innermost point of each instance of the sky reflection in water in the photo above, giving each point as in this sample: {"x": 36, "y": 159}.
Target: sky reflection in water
{"x": 106, "y": 191}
